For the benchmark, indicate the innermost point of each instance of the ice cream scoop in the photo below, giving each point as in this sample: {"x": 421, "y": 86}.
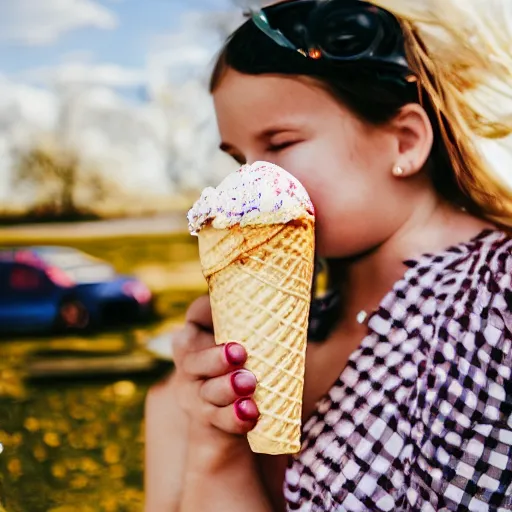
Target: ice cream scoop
{"x": 257, "y": 194}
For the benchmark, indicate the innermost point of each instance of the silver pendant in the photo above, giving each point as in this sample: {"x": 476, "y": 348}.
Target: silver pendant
{"x": 361, "y": 317}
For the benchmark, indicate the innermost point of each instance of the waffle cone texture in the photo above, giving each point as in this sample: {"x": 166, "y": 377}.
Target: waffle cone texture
{"x": 260, "y": 279}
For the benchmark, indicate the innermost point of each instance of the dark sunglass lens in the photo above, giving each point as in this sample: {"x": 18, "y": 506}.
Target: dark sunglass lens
{"x": 392, "y": 36}
{"x": 345, "y": 33}
{"x": 291, "y": 19}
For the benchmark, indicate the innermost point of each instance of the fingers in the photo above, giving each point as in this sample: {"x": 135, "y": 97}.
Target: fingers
{"x": 215, "y": 388}
{"x": 200, "y": 313}
{"x": 220, "y": 402}
{"x": 197, "y": 333}
{"x": 239, "y": 418}
{"x": 229, "y": 405}
{"x": 223, "y": 391}
{"x": 214, "y": 361}
{"x": 190, "y": 339}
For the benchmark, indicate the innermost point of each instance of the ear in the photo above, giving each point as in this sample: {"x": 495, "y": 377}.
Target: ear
{"x": 415, "y": 137}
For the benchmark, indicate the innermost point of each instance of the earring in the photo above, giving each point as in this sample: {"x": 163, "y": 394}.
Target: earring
{"x": 398, "y": 171}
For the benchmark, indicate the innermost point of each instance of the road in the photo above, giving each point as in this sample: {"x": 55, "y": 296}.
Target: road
{"x": 161, "y": 224}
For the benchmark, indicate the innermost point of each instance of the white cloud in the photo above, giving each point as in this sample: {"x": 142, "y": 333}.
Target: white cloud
{"x": 187, "y": 54}
{"x": 110, "y": 75}
{"x": 21, "y": 102}
{"x": 41, "y": 22}
{"x": 180, "y": 56}
{"x": 146, "y": 147}
{"x": 122, "y": 140}
{"x": 25, "y": 113}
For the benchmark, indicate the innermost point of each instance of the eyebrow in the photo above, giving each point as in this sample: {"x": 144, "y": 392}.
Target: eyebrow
{"x": 270, "y": 132}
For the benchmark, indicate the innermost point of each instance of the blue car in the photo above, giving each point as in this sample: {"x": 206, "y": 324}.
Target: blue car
{"x": 61, "y": 289}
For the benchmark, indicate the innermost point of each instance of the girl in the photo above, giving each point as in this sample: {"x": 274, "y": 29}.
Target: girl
{"x": 407, "y": 402}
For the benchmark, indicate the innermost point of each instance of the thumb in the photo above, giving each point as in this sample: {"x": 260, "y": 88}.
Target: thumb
{"x": 200, "y": 313}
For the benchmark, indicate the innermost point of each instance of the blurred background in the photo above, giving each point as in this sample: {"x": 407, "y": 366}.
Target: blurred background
{"x": 107, "y": 136}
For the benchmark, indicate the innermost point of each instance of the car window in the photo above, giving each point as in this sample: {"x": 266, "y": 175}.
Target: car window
{"x": 68, "y": 259}
{"x": 91, "y": 273}
{"x": 80, "y": 267}
{"x": 25, "y": 278}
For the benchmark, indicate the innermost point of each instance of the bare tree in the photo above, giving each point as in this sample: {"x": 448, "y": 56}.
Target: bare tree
{"x": 62, "y": 184}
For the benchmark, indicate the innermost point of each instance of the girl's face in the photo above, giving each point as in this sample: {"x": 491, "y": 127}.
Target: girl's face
{"x": 345, "y": 164}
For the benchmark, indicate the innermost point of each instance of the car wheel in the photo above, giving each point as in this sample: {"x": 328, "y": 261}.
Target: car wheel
{"x": 73, "y": 315}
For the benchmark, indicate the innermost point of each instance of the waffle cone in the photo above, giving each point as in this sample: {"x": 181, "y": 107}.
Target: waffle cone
{"x": 260, "y": 279}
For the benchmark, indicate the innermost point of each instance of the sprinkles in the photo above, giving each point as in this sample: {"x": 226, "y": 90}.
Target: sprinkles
{"x": 248, "y": 194}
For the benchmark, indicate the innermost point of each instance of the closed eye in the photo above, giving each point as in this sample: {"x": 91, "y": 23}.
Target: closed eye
{"x": 275, "y": 148}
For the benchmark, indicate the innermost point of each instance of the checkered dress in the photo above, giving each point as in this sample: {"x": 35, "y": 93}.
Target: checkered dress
{"x": 420, "y": 419}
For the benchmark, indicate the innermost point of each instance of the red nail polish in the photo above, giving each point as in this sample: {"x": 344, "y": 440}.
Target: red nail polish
{"x": 235, "y": 354}
{"x": 243, "y": 383}
{"x": 246, "y": 409}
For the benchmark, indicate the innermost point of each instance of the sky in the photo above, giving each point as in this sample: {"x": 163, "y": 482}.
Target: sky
{"x": 122, "y": 81}
{"x": 123, "y": 84}
{"x": 39, "y": 34}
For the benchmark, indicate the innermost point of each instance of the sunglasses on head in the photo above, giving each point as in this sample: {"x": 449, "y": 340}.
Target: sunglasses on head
{"x": 337, "y": 31}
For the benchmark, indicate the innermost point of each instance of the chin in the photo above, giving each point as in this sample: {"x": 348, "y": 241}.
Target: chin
{"x": 333, "y": 241}
{"x": 349, "y": 248}
{"x": 328, "y": 251}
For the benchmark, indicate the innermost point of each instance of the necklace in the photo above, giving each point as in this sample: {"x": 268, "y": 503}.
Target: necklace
{"x": 362, "y": 316}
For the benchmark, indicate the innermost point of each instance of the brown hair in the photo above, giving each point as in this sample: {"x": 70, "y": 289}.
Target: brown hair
{"x": 458, "y": 172}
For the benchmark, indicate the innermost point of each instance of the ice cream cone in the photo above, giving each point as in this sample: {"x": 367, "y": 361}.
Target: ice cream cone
{"x": 256, "y": 242}
{"x": 259, "y": 279}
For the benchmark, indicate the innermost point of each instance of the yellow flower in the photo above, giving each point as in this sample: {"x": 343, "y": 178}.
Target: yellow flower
{"x": 52, "y": 439}
{"x": 59, "y": 470}
{"x": 117, "y": 472}
{"x": 14, "y": 467}
{"x": 79, "y": 482}
{"x": 109, "y": 505}
{"x": 40, "y": 453}
{"x": 90, "y": 466}
{"x": 124, "y": 389}
{"x": 32, "y": 424}
{"x": 112, "y": 454}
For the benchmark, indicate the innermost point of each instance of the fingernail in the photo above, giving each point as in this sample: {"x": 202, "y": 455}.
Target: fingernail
{"x": 235, "y": 354}
{"x": 243, "y": 382}
{"x": 246, "y": 410}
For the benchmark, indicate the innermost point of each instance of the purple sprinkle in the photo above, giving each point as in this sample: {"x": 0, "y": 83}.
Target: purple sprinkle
{"x": 278, "y": 205}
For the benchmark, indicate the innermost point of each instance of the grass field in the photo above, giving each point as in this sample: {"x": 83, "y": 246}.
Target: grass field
{"x": 76, "y": 445}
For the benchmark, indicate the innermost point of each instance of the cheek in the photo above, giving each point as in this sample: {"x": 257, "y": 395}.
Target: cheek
{"x": 353, "y": 193}
{"x": 340, "y": 192}
{"x": 338, "y": 177}
{"x": 316, "y": 165}
{"x": 348, "y": 162}
{"x": 353, "y": 220}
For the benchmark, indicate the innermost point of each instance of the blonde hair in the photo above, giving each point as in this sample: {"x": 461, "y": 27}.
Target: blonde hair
{"x": 459, "y": 171}
{"x": 458, "y": 124}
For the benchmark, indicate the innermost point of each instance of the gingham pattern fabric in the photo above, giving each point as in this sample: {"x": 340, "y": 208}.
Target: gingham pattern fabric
{"x": 420, "y": 419}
